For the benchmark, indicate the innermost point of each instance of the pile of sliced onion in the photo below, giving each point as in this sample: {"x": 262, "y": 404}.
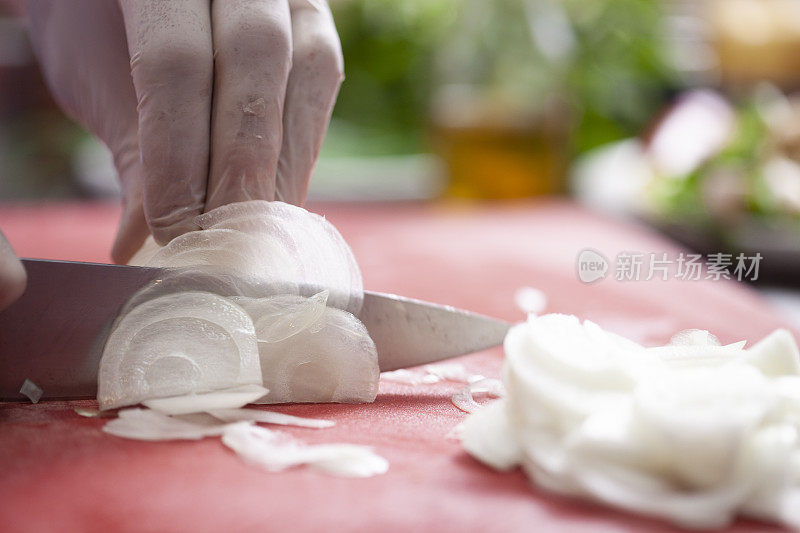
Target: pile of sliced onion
{"x": 258, "y": 306}
{"x": 693, "y": 432}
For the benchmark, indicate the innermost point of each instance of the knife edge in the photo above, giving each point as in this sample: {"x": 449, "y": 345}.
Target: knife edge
{"x": 55, "y": 333}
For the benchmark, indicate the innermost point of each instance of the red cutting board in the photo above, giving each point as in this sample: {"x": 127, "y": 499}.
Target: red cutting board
{"x": 59, "y": 472}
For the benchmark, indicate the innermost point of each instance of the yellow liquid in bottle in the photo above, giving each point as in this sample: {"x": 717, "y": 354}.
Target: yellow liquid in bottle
{"x": 496, "y": 162}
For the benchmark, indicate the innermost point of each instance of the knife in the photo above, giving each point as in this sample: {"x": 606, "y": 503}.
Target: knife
{"x": 55, "y": 333}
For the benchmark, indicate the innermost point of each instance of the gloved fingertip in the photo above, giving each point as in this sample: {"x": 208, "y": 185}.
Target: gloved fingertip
{"x": 13, "y": 277}
{"x": 163, "y": 235}
{"x": 131, "y": 234}
{"x": 12, "y": 284}
{"x": 169, "y": 221}
{"x": 127, "y": 244}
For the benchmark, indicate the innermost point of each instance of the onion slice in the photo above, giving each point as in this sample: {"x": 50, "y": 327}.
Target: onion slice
{"x": 464, "y": 399}
{"x": 322, "y": 256}
{"x": 530, "y": 300}
{"x": 488, "y": 436}
{"x": 178, "y": 344}
{"x": 409, "y": 377}
{"x": 231, "y": 398}
{"x": 775, "y": 355}
{"x": 316, "y": 357}
{"x": 31, "y": 390}
{"x": 146, "y": 424}
{"x": 275, "y": 451}
{"x": 269, "y": 417}
{"x": 454, "y": 372}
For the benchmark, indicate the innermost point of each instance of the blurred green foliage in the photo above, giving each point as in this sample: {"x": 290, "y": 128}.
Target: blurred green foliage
{"x": 389, "y": 48}
{"x": 615, "y": 78}
{"x": 619, "y": 76}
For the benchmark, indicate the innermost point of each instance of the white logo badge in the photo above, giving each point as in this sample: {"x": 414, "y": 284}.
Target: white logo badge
{"x": 592, "y": 265}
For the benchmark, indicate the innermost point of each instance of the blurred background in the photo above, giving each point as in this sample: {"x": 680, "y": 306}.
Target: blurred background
{"x": 680, "y": 114}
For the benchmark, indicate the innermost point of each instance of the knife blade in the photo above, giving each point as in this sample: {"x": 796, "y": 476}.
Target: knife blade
{"x": 55, "y": 333}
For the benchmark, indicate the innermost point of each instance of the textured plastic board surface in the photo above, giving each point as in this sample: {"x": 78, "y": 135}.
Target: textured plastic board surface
{"x": 59, "y": 471}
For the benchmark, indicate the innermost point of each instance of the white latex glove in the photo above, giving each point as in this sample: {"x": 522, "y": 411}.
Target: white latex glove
{"x": 201, "y": 102}
{"x": 12, "y": 274}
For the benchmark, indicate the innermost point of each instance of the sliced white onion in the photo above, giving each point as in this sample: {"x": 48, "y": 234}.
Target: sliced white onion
{"x": 455, "y": 433}
{"x": 455, "y": 372}
{"x": 319, "y": 255}
{"x": 530, "y": 300}
{"x": 638, "y": 491}
{"x": 31, "y": 390}
{"x": 269, "y": 417}
{"x": 88, "y": 412}
{"x": 700, "y": 418}
{"x": 183, "y": 343}
{"x": 409, "y": 377}
{"x": 145, "y": 424}
{"x": 775, "y": 355}
{"x": 488, "y": 436}
{"x": 331, "y": 359}
{"x": 584, "y": 353}
{"x": 694, "y": 432}
{"x": 569, "y": 369}
{"x": 694, "y": 337}
{"x": 203, "y": 278}
{"x": 347, "y": 460}
{"x": 464, "y": 400}
{"x": 697, "y": 347}
{"x": 231, "y": 398}
{"x": 249, "y": 256}
{"x": 277, "y": 318}
{"x": 272, "y": 241}
{"x": 275, "y": 451}
{"x": 281, "y": 264}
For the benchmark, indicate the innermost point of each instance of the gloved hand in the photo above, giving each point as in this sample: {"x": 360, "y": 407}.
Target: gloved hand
{"x": 201, "y": 102}
{"x": 12, "y": 274}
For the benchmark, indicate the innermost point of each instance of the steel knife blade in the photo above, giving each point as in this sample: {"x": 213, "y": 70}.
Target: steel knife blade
{"x": 55, "y": 333}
